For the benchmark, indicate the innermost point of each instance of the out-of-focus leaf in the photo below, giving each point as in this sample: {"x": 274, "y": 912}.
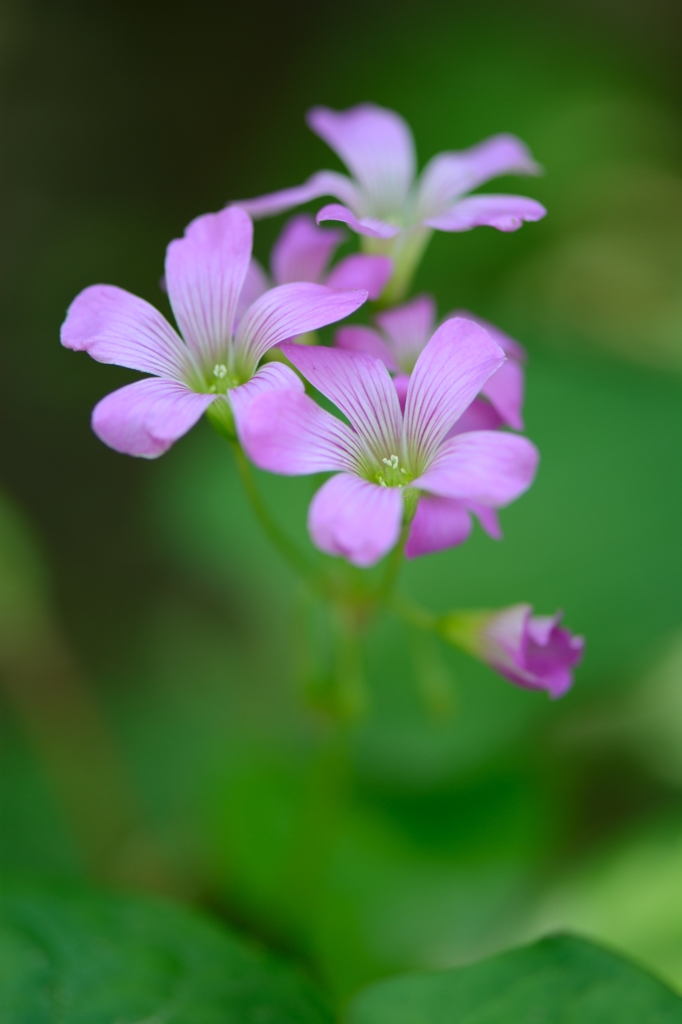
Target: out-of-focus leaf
{"x": 369, "y": 883}
{"x": 80, "y": 957}
{"x": 628, "y": 897}
{"x": 560, "y": 980}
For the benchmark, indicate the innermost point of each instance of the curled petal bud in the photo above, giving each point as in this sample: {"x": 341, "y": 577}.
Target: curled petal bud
{"x": 532, "y": 651}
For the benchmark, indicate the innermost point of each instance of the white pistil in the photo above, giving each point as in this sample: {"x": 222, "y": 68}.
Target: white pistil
{"x": 219, "y": 371}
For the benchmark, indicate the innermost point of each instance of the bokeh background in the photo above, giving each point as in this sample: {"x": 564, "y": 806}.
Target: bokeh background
{"x": 156, "y": 732}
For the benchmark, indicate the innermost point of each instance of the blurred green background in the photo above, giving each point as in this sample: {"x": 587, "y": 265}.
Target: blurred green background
{"x": 154, "y": 734}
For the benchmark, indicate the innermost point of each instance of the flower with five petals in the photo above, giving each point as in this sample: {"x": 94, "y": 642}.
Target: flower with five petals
{"x": 224, "y": 340}
{"x": 391, "y": 468}
{"x": 384, "y": 202}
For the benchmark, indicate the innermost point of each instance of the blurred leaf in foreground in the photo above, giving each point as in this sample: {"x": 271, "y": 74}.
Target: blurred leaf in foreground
{"x": 560, "y": 980}
{"x": 78, "y": 956}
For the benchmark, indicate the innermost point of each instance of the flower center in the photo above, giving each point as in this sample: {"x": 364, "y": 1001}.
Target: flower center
{"x": 224, "y": 380}
{"x": 393, "y": 474}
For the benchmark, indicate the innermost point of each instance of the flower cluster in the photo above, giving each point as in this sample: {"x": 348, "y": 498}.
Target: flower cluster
{"x": 419, "y": 440}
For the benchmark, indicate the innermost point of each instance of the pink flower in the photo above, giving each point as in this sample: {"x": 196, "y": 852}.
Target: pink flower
{"x": 303, "y": 252}
{"x": 405, "y": 331}
{"x": 383, "y": 199}
{"x": 533, "y": 651}
{"x": 391, "y": 466}
{"x": 224, "y": 337}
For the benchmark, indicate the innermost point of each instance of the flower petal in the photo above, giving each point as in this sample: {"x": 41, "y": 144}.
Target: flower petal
{"x": 371, "y": 226}
{"x": 377, "y": 147}
{"x": 358, "y": 338}
{"x": 256, "y": 283}
{"x": 401, "y": 383}
{"x": 488, "y": 518}
{"x": 504, "y": 389}
{"x": 356, "y": 519}
{"x": 449, "y": 175}
{"x": 487, "y": 467}
{"x": 302, "y": 251}
{"x": 439, "y": 523}
{"x": 506, "y": 213}
{"x": 146, "y": 417}
{"x": 361, "y": 388}
{"x": 480, "y": 415}
{"x": 114, "y": 326}
{"x": 286, "y": 312}
{"x": 271, "y": 377}
{"x": 286, "y": 432}
{"x": 509, "y": 345}
{"x": 324, "y": 183}
{"x": 448, "y": 375}
{"x": 408, "y": 328}
{"x": 205, "y": 272}
{"x": 361, "y": 271}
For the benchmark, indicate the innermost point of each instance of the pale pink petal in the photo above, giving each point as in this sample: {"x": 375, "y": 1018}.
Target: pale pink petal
{"x": 408, "y": 328}
{"x": 286, "y": 432}
{"x": 302, "y": 251}
{"x": 401, "y": 383}
{"x": 487, "y": 467}
{"x": 324, "y": 183}
{"x": 504, "y": 389}
{"x": 361, "y": 271}
{"x": 377, "y": 147}
{"x": 480, "y": 415}
{"x": 286, "y": 312}
{"x": 370, "y": 226}
{"x": 488, "y": 518}
{"x": 448, "y": 375}
{"x": 146, "y": 417}
{"x": 450, "y": 175}
{"x": 256, "y": 283}
{"x": 361, "y": 388}
{"x": 114, "y": 326}
{"x": 271, "y": 377}
{"x": 506, "y": 213}
{"x": 509, "y": 345}
{"x": 358, "y": 338}
{"x": 205, "y": 272}
{"x": 541, "y": 627}
{"x": 439, "y": 523}
{"x": 356, "y": 519}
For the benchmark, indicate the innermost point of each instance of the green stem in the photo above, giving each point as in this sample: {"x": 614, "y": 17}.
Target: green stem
{"x": 393, "y": 565}
{"x": 286, "y": 547}
{"x": 416, "y": 616}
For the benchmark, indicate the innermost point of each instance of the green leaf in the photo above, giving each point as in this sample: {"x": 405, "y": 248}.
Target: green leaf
{"x": 80, "y": 957}
{"x": 559, "y": 980}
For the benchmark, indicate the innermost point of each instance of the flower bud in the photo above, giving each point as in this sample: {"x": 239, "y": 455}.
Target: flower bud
{"x": 532, "y": 651}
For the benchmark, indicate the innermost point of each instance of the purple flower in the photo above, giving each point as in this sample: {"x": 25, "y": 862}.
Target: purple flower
{"x": 403, "y": 335}
{"x": 392, "y": 467}
{"x": 303, "y": 252}
{"x": 225, "y": 335}
{"x": 383, "y": 201}
{"x": 533, "y": 651}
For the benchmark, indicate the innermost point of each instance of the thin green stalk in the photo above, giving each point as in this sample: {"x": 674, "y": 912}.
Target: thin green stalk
{"x": 286, "y": 547}
{"x": 416, "y": 616}
{"x": 393, "y": 565}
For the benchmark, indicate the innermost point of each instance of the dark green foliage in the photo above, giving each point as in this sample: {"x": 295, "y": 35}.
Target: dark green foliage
{"x": 560, "y": 980}
{"x": 80, "y": 957}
